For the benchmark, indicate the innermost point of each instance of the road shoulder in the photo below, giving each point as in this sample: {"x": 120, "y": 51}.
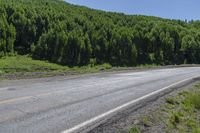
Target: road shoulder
{"x": 144, "y": 118}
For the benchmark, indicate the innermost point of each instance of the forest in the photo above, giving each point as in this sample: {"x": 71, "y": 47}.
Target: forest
{"x": 70, "y": 35}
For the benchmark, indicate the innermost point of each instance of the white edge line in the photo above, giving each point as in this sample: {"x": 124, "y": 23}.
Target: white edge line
{"x": 79, "y": 126}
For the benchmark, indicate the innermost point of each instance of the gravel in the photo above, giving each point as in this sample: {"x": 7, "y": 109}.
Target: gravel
{"x": 131, "y": 118}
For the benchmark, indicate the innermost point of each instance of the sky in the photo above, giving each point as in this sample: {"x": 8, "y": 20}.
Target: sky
{"x": 172, "y": 9}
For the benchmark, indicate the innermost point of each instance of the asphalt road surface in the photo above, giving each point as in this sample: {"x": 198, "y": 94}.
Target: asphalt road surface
{"x": 66, "y": 104}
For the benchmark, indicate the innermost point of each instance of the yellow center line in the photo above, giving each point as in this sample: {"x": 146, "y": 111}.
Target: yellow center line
{"x": 29, "y": 97}
{"x": 15, "y": 100}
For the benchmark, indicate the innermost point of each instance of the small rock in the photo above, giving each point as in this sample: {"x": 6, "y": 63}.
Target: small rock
{"x": 136, "y": 122}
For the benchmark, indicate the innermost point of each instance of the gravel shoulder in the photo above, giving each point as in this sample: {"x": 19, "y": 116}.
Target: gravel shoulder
{"x": 123, "y": 122}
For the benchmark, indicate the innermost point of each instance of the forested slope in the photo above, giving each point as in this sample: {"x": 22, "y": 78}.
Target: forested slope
{"x": 71, "y": 35}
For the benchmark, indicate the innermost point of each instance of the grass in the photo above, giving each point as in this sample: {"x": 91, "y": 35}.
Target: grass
{"x": 15, "y": 64}
{"x": 146, "y": 120}
{"x": 184, "y": 116}
{"x": 25, "y": 64}
{"x": 134, "y": 130}
{"x": 21, "y": 65}
{"x": 179, "y": 114}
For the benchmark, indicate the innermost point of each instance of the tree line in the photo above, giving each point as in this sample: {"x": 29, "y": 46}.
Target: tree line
{"x": 72, "y": 35}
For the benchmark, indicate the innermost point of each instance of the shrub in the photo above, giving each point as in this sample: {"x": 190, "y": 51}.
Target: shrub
{"x": 134, "y": 130}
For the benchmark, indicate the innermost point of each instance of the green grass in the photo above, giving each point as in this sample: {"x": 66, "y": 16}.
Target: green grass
{"x": 15, "y": 64}
{"x": 184, "y": 115}
{"x": 25, "y": 64}
{"x": 180, "y": 113}
{"x": 134, "y": 130}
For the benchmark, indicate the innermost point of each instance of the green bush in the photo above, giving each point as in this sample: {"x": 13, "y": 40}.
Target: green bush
{"x": 194, "y": 99}
{"x": 106, "y": 66}
{"x": 134, "y": 130}
{"x": 170, "y": 100}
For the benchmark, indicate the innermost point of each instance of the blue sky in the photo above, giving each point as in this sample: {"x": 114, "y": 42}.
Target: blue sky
{"x": 173, "y": 9}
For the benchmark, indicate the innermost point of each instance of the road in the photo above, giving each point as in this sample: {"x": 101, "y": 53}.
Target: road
{"x": 65, "y": 104}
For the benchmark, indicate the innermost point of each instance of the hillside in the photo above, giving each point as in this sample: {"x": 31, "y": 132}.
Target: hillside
{"x": 70, "y": 35}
